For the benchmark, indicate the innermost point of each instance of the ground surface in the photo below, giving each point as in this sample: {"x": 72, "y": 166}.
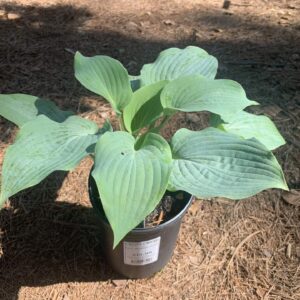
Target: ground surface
{"x": 50, "y": 247}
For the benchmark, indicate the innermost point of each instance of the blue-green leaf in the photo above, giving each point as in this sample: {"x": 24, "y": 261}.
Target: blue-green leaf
{"x": 213, "y": 163}
{"x": 197, "y": 93}
{"x": 130, "y": 181}
{"x": 43, "y": 146}
{"x": 135, "y": 82}
{"x": 22, "y": 108}
{"x": 249, "y": 126}
{"x": 106, "y": 77}
{"x": 173, "y": 63}
{"x": 145, "y": 107}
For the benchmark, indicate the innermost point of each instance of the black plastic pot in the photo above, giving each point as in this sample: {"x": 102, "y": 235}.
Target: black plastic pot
{"x": 143, "y": 251}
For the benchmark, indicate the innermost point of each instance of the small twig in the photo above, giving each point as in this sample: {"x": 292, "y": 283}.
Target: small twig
{"x": 266, "y": 296}
{"x": 160, "y": 218}
{"x": 240, "y": 245}
{"x": 161, "y": 125}
{"x": 242, "y": 5}
{"x": 70, "y": 50}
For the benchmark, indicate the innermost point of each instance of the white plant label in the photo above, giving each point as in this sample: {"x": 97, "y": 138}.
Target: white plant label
{"x": 141, "y": 253}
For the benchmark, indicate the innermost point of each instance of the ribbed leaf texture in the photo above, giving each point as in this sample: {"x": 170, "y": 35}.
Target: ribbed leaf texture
{"x": 252, "y": 126}
{"x": 130, "y": 182}
{"x": 174, "y": 63}
{"x": 22, "y": 108}
{"x": 145, "y": 107}
{"x": 43, "y": 146}
{"x": 106, "y": 77}
{"x": 197, "y": 93}
{"x": 213, "y": 163}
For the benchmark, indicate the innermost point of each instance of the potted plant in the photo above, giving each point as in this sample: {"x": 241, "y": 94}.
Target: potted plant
{"x": 136, "y": 171}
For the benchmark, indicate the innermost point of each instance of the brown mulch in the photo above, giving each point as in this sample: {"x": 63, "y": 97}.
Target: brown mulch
{"x": 50, "y": 247}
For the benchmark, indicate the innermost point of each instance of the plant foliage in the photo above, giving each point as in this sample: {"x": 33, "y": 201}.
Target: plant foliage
{"x": 134, "y": 166}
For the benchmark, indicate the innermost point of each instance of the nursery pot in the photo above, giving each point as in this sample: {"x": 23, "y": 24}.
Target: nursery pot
{"x": 143, "y": 251}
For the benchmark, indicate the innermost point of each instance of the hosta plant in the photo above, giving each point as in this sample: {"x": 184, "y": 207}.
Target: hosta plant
{"x": 135, "y": 165}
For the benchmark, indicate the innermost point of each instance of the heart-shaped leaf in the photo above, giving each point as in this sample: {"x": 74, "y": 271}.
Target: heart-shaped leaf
{"x": 197, "y": 93}
{"x": 43, "y": 146}
{"x": 174, "y": 63}
{"x": 213, "y": 163}
{"x": 144, "y": 108}
{"x": 22, "y": 108}
{"x": 106, "y": 77}
{"x": 130, "y": 181}
{"x": 252, "y": 126}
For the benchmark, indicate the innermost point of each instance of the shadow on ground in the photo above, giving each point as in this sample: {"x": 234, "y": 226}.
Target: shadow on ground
{"x": 46, "y": 242}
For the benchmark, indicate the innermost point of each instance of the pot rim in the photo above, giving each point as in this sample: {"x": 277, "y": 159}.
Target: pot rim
{"x": 148, "y": 229}
{"x": 160, "y": 226}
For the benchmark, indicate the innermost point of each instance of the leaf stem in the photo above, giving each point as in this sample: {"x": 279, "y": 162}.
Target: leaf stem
{"x": 121, "y": 123}
{"x": 162, "y": 124}
{"x": 149, "y": 129}
{"x": 152, "y": 127}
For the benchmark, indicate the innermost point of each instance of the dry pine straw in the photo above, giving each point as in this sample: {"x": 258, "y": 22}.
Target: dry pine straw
{"x": 226, "y": 250}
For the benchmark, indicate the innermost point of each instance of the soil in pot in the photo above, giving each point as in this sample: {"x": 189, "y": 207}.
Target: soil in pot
{"x": 170, "y": 206}
{"x": 166, "y": 209}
